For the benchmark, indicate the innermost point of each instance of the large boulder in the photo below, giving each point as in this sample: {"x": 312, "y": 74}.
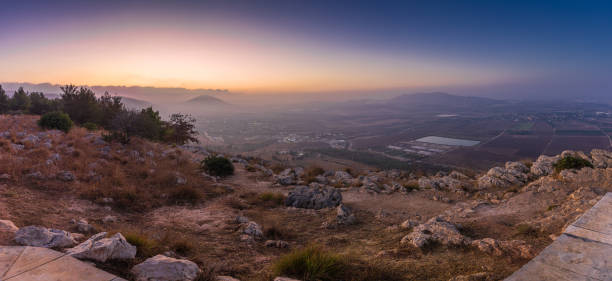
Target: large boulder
{"x": 313, "y": 197}
{"x": 38, "y": 236}
{"x": 163, "y": 268}
{"x": 543, "y": 166}
{"x": 435, "y": 230}
{"x": 100, "y": 248}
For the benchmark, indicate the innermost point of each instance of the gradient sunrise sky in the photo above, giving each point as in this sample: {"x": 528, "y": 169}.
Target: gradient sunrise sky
{"x": 302, "y": 46}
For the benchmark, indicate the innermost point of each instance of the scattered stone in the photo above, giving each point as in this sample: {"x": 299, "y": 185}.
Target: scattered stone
{"x": 84, "y": 226}
{"x": 101, "y": 249}
{"x": 344, "y": 215}
{"x": 109, "y": 219}
{"x": 66, "y": 176}
{"x": 5, "y": 177}
{"x": 35, "y": 176}
{"x": 162, "y": 268}
{"x": 276, "y": 244}
{"x": 252, "y": 229}
{"x": 38, "y": 236}
{"x": 313, "y": 198}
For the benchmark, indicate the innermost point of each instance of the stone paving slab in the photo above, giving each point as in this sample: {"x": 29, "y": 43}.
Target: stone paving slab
{"x": 582, "y": 252}
{"x": 19, "y": 263}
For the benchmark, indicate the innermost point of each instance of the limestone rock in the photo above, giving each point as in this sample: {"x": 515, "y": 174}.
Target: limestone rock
{"x": 162, "y": 268}
{"x": 513, "y": 248}
{"x": 287, "y": 177}
{"x": 601, "y": 158}
{"x": 543, "y": 166}
{"x": 252, "y": 229}
{"x": 514, "y": 173}
{"x": 101, "y": 249}
{"x": 39, "y": 236}
{"x": 8, "y": 226}
{"x": 344, "y": 215}
{"x": 435, "y": 230}
{"x": 313, "y": 198}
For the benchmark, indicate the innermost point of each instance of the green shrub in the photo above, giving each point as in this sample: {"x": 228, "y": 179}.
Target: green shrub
{"x": 217, "y": 166}
{"x": 90, "y": 126}
{"x": 145, "y": 246}
{"x": 310, "y": 264}
{"x": 526, "y": 230}
{"x": 571, "y": 162}
{"x": 56, "y": 120}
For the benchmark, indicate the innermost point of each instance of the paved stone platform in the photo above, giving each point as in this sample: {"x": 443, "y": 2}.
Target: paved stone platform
{"x": 40, "y": 264}
{"x": 582, "y": 252}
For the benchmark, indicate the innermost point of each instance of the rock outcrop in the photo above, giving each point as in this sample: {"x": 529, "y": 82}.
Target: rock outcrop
{"x": 514, "y": 173}
{"x": 543, "y": 166}
{"x": 163, "y": 268}
{"x": 313, "y": 197}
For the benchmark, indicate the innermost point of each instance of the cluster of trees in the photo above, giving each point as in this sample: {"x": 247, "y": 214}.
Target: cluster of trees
{"x": 106, "y": 111}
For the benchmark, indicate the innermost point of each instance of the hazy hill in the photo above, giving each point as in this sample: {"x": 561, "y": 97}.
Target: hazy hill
{"x": 205, "y": 100}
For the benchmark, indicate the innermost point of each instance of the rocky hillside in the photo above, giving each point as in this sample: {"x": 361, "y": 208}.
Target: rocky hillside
{"x": 145, "y": 211}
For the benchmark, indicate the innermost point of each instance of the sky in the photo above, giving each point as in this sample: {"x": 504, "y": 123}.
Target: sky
{"x": 499, "y": 47}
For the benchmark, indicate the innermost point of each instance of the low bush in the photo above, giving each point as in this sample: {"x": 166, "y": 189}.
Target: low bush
{"x": 145, "y": 246}
{"x": 217, "y": 166}
{"x": 571, "y": 162}
{"x": 271, "y": 199}
{"x": 310, "y": 264}
{"x": 56, "y": 120}
{"x": 315, "y": 264}
{"x": 185, "y": 194}
{"x": 90, "y": 126}
{"x": 526, "y": 230}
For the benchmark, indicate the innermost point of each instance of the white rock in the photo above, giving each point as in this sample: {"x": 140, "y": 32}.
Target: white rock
{"x": 8, "y": 226}
{"x": 101, "y": 249}
{"x": 162, "y": 268}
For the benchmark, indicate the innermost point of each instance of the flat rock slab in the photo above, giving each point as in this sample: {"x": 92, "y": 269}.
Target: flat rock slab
{"x": 582, "y": 252}
{"x": 40, "y": 264}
